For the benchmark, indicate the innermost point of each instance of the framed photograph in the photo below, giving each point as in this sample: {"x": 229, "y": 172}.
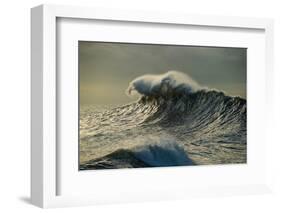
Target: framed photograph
{"x": 129, "y": 106}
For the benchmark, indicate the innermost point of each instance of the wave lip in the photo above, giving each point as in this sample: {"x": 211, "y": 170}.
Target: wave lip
{"x": 171, "y": 82}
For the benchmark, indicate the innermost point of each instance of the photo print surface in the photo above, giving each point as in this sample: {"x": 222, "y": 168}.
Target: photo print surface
{"x": 150, "y": 105}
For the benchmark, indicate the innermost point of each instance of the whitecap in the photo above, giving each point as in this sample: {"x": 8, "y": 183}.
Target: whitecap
{"x": 170, "y": 82}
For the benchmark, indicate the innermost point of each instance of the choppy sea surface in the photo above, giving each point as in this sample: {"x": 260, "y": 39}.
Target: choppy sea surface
{"x": 183, "y": 128}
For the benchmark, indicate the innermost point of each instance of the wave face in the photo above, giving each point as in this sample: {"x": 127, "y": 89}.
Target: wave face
{"x": 174, "y": 123}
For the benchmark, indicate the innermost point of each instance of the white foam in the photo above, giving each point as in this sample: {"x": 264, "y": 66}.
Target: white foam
{"x": 163, "y": 84}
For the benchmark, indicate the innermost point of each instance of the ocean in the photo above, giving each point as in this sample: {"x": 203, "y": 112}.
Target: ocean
{"x": 205, "y": 127}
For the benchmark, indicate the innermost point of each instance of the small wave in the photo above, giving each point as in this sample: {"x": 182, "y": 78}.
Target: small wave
{"x": 172, "y": 82}
{"x": 158, "y": 152}
{"x": 166, "y": 152}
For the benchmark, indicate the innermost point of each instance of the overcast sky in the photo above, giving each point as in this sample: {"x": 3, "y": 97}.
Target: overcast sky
{"x": 106, "y": 69}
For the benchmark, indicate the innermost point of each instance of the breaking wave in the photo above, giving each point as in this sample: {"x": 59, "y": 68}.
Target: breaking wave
{"x": 181, "y": 123}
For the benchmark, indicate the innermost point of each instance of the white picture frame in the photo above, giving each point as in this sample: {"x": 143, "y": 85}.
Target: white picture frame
{"x": 45, "y": 169}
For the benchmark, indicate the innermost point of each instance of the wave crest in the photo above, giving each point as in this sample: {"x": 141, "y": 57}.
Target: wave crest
{"x": 170, "y": 83}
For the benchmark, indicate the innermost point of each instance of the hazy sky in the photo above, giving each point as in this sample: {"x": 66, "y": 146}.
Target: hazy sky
{"x": 106, "y": 69}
